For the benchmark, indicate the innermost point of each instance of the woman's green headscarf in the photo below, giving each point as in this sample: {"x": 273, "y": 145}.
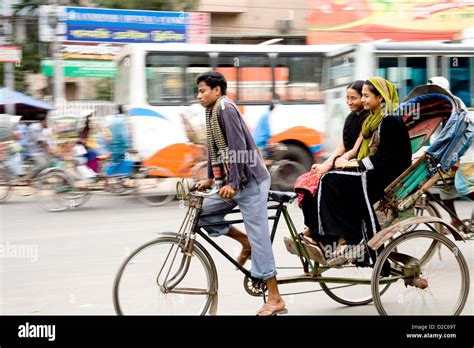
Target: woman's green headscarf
{"x": 389, "y": 93}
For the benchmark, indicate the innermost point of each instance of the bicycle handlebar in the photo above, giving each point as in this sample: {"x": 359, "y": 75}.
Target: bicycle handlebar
{"x": 206, "y": 193}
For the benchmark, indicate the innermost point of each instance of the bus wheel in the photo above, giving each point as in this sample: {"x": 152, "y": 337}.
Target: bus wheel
{"x": 296, "y": 153}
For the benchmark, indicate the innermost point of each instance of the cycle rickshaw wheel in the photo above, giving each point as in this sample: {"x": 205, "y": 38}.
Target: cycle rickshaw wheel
{"x": 154, "y": 280}
{"x": 437, "y": 286}
{"x": 57, "y": 193}
{"x": 350, "y": 294}
{"x": 4, "y": 185}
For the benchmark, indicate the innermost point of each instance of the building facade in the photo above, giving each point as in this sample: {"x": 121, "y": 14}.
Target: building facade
{"x": 256, "y": 21}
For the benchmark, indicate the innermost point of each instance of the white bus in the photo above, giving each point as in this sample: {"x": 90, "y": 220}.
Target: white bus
{"x": 405, "y": 64}
{"x": 307, "y": 82}
{"x": 157, "y": 84}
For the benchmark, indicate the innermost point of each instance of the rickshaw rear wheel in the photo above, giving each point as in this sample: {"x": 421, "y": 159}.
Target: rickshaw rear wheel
{"x": 56, "y": 192}
{"x": 4, "y": 185}
{"x": 438, "y": 285}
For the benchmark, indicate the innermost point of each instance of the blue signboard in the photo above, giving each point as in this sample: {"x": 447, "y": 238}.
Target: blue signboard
{"x": 125, "y": 26}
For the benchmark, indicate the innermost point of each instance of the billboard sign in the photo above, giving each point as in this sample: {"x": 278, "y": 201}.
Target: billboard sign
{"x": 131, "y": 26}
{"x": 343, "y": 21}
{"x": 89, "y": 52}
{"x": 81, "y": 68}
{"x": 10, "y": 54}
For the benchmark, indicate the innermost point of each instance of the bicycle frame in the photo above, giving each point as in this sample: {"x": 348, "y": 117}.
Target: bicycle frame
{"x": 312, "y": 271}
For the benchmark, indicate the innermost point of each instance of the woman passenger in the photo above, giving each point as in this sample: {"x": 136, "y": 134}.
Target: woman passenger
{"x": 306, "y": 185}
{"x": 345, "y": 213}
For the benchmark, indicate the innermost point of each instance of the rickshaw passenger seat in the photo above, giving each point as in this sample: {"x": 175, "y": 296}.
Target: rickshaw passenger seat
{"x": 282, "y": 197}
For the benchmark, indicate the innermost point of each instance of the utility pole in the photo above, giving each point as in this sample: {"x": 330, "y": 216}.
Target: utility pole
{"x": 9, "y": 71}
{"x": 58, "y": 84}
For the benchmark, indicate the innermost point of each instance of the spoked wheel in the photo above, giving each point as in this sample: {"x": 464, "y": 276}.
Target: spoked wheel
{"x": 57, "y": 193}
{"x": 423, "y": 210}
{"x": 284, "y": 173}
{"x": 437, "y": 286}
{"x": 347, "y": 293}
{"x": 120, "y": 186}
{"x": 24, "y": 189}
{"x": 4, "y": 185}
{"x": 153, "y": 189}
{"x": 158, "y": 278}
{"x": 429, "y": 245}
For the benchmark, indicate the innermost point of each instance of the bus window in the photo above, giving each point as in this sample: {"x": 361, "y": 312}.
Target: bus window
{"x": 298, "y": 78}
{"x": 122, "y": 89}
{"x": 405, "y": 72}
{"x": 388, "y": 69}
{"x": 195, "y": 66}
{"x": 164, "y": 78}
{"x": 461, "y": 71}
{"x": 250, "y": 74}
{"x": 341, "y": 70}
{"x": 415, "y": 73}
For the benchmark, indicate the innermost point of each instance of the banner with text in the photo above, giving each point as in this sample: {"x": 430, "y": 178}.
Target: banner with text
{"x": 81, "y": 68}
{"x": 131, "y": 26}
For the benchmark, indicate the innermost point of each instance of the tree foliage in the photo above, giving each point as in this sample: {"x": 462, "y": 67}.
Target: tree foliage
{"x": 103, "y": 89}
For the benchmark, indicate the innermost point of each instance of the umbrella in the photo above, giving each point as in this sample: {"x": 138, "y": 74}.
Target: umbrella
{"x": 23, "y": 103}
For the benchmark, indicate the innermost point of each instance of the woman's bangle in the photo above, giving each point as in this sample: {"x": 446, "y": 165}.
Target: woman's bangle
{"x": 334, "y": 161}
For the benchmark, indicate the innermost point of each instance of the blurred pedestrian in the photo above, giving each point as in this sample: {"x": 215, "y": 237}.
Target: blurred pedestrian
{"x": 262, "y": 133}
{"x": 119, "y": 144}
{"x": 39, "y": 145}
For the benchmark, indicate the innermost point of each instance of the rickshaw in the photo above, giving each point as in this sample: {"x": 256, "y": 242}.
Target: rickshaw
{"x": 62, "y": 187}
{"x": 12, "y": 164}
{"x": 427, "y": 273}
{"x": 420, "y": 133}
{"x": 9, "y": 180}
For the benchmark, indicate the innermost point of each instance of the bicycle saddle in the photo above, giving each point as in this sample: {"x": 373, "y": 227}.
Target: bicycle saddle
{"x": 282, "y": 197}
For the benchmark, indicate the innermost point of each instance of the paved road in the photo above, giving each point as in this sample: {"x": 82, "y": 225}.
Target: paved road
{"x": 79, "y": 251}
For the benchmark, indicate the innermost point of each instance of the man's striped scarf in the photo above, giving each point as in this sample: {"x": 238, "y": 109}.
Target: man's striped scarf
{"x": 216, "y": 142}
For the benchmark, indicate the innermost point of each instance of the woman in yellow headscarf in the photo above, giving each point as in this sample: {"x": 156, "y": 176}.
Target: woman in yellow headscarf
{"x": 380, "y": 98}
{"x": 345, "y": 198}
